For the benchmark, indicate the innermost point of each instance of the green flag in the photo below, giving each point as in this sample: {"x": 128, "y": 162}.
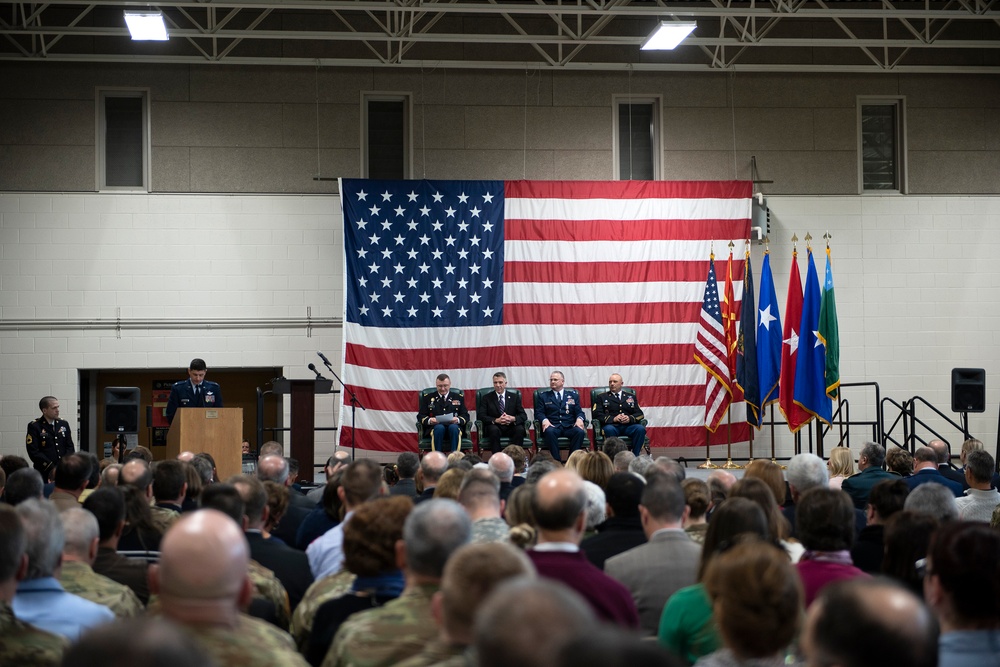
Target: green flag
{"x": 829, "y": 334}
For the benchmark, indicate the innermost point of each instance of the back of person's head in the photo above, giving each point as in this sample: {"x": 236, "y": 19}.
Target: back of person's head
{"x": 168, "y": 479}
{"x": 596, "y": 507}
{"x": 72, "y": 472}
{"x": 934, "y": 500}
{"x": 150, "y": 642}
{"x": 888, "y": 497}
{"x": 841, "y": 462}
{"x": 451, "y": 482}
{"x": 757, "y": 598}
{"x": 596, "y": 467}
{"x": 697, "y": 497}
{"x": 755, "y": 489}
{"x": 11, "y": 462}
{"x": 971, "y": 445}
{"x": 622, "y": 460}
{"x": 770, "y": 473}
{"x": 515, "y": 624}
{"x": 980, "y": 465}
{"x": 22, "y": 484}
{"x": 465, "y": 583}
{"x": 331, "y": 502}
{"x": 874, "y": 452}
{"x": 95, "y": 470}
{"x": 502, "y": 466}
{"x": 432, "y": 532}
{"x": 193, "y": 479}
{"x": 610, "y": 646}
{"x": 205, "y": 468}
{"x": 254, "y": 497}
{"x": 860, "y": 622}
{"x": 538, "y": 469}
{"x": 519, "y": 506}
{"x": 271, "y": 448}
{"x": 824, "y": 520}
{"x": 663, "y": 499}
{"x": 278, "y": 498}
{"x": 925, "y": 455}
{"x": 518, "y": 456}
{"x": 906, "y": 539}
{"x": 612, "y": 446}
{"x": 407, "y": 464}
{"x": 12, "y": 543}
{"x": 362, "y": 481}
{"x": 899, "y": 461}
{"x": 718, "y": 488}
{"x": 733, "y": 518}
{"x": 963, "y": 562}
{"x": 558, "y": 500}
{"x": 479, "y": 489}
{"x": 80, "y": 530}
{"x": 433, "y": 465}
{"x": 624, "y": 493}
{"x": 371, "y": 535}
{"x": 109, "y": 476}
{"x": 139, "y": 452}
{"x": 226, "y": 499}
{"x": 669, "y": 466}
{"x": 272, "y": 468}
{"x": 43, "y": 532}
{"x": 108, "y": 506}
{"x": 136, "y": 473}
{"x": 806, "y": 471}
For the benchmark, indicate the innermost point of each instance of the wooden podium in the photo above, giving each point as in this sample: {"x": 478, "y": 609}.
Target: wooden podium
{"x": 217, "y": 431}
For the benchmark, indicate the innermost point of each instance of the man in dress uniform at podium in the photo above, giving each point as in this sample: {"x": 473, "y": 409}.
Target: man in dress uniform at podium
{"x": 618, "y": 413}
{"x": 49, "y": 438}
{"x": 443, "y": 415}
{"x": 195, "y": 392}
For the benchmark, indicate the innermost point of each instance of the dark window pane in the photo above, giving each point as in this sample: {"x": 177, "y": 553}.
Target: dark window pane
{"x": 387, "y": 139}
{"x": 879, "y": 151}
{"x": 123, "y": 149}
{"x": 635, "y": 139}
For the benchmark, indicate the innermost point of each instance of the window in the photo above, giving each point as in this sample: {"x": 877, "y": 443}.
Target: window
{"x": 637, "y": 150}
{"x": 123, "y": 140}
{"x": 881, "y": 145}
{"x": 385, "y": 135}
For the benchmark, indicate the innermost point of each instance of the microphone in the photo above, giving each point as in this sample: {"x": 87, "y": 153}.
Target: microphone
{"x": 312, "y": 367}
{"x": 323, "y": 357}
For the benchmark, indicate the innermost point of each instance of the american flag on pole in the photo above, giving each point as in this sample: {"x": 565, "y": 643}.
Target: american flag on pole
{"x": 527, "y": 277}
{"x": 711, "y": 350}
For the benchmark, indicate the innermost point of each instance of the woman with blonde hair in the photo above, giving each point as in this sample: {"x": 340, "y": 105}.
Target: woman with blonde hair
{"x": 841, "y": 466}
{"x": 770, "y": 473}
{"x": 595, "y": 467}
{"x": 574, "y": 459}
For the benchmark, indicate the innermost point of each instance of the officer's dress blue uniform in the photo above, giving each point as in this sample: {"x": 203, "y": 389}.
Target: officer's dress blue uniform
{"x": 562, "y": 414}
{"x": 182, "y": 395}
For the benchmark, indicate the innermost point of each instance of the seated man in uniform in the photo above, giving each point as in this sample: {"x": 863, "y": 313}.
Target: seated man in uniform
{"x": 443, "y": 415}
{"x": 561, "y": 415}
{"x": 195, "y": 392}
{"x": 618, "y": 413}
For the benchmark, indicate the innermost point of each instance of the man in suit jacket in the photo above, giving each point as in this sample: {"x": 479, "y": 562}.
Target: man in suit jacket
{"x": 561, "y": 415}
{"x": 925, "y": 471}
{"x": 443, "y": 416}
{"x": 943, "y": 452}
{"x": 859, "y": 485}
{"x": 502, "y": 414}
{"x": 195, "y": 392}
{"x": 618, "y": 413}
{"x": 667, "y": 562}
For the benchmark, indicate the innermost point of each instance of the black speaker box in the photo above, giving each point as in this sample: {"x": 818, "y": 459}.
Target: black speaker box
{"x": 121, "y": 409}
{"x": 968, "y": 390}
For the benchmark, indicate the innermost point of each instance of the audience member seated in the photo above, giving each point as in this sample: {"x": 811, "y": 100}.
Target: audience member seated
{"x": 77, "y": 575}
{"x": 326, "y": 515}
{"x": 202, "y": 585}
{"x": 825, "y": 522}
{"x": 596, "y": 467}
{"x": 277, "y": 506}
{"x": 756, "y": 604}
{"x": 859, "y": 623}
{"x": 808, "y": 471}
{"x": 686, "y": 625}
{"x": 622, "y": 527}
{"x": 869, "y": 474}
{"x": 136, "y": 473}
{"x": 757, "y": 491}
{"x": 541, "y": 466}
{"x": 719, "y": 482}
{"x": 665, "y": 464}
{"x": 464, "y": 586}
{"x": 450, "y": 482}
{"x": 519, "y": 456}
{"x": 170, "y": 487}
{"x": 595, "y": 508}
{"x": 22, "y": 485}
{"x": 962, "y": 587}
{"x": 934, "y": 500}
{"x": 362, "y": 481}
{"x": 527, "y": 622}
{"x": 502, "y": 466}
{"x": 150, "y": 642}
{"x": 406, "y": 468}
{"x": 654, "y": 571}
{"x": 40, "y": 599}
{"x": 899, "y": 461}
{"x": 275, "y": 469}
{"x": 432, "y": 466}
{"x": 980, "y": 499}
{"x": 943, "y": 452}
{"x": 108, "y": 506}
{"x": 71, "y": 478}
{"x": 907, "y": 537}
{"x": 840, "y": 465}
{"x": 523, "y": 531}
{"x": 614, "y": 446}
{"x": 559, "y": 507}
{"x": 885, "y": 499}
{"x": 480, "y": 496}
{"x": 20, "y": 643}
{"x": 194, "y": 487}
{"x": 141, "y": 533}
{"x": 573, "y": 460}
{"x": 611, "y": 647}
{"x": 398, "y": 630}
{"x": 771, "y": 474}
{"x": 337, "y": 462}
{"x": 698, "y": 498}
{"x": 622, "y": 460}
{"x": 926, "y": 471}
{"x": 370, "y": 554}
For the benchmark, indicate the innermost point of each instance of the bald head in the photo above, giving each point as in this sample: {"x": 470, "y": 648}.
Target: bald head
{"x": 941, "y": 450}
{"x": 273, "y": 468}
{"x": 203, "y": 560}
{"x": 558, "y": 504}
{"x": 502, "y": 466}
{"x": 724, "y": 478}
{"x": 185, "y": 456}
{"x": 136, "y": 473}
{"x": 433, "y": 465}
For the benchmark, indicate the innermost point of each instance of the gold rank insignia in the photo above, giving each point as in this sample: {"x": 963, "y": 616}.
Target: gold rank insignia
{"x": 28, "y": 439}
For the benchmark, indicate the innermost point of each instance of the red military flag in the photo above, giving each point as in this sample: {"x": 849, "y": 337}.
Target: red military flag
{"x": 794, "y": 414}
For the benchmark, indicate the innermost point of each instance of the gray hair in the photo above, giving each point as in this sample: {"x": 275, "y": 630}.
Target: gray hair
{"x": 112, "y": 470}
{"x": 875, "y": 453}
{"x": 80, "y": 528}
{"x": 623, "y": 460}
{"x": 671, "y": 467}
{"x": 432, "y": 532}
{"x": 934, "y": 500}
{"x": 539, "y": 469}
{"x": 44, "y": 537}
{"x": 203, "y": 467}
{"x": 596, "y": 505}
{"x": 807, "y": 471}
{"x": 639, "y": 464}
{"x": 502, "y": 466}
{"x": 269, "y": 472}
{"x": 980, "y": 465}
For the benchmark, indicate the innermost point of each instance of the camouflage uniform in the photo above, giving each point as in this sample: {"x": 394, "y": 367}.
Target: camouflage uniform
{"x": 163, "y": 518}
{"x": 435, "y": 652}
{"x": 322, "y": 590}
{"x": 252, "y": 643}
{"x": 80, "y": 579}
{"x": 387, "y": 635}
{"x": 267, "y": 586}
{"x": 25, "y": 645}
{"x": 490, "y": 530}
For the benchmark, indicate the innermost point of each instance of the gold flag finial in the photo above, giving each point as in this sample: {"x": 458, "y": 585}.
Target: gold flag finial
{"x": 808, "y": 239}
{"x": 827, "y": 237}
{"x": 767, "y": 244}
{"x": 731, "y": 246}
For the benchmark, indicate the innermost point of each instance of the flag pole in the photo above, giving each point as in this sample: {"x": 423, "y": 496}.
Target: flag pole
{"x": 773, "y": 459}
{"x": 729, "y": 465}
{"x": 707, "y": 465}
{"x": 751, "y": 447}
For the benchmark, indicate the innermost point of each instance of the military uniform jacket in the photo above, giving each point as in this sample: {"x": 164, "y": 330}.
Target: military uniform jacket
{"x": 253, "y": 643}
{"x": 182, "y": 396}
{"x": 47, "y": 443}
{"x": 608, "y": 407}
{"x": 560, "y": 413}
{"x": 25, "y": 645}
{"x": 432, "y": 405}
{"x": 490, "y": 407}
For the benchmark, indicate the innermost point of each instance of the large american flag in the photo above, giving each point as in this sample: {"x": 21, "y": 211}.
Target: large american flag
{"x": 527, "y": 277}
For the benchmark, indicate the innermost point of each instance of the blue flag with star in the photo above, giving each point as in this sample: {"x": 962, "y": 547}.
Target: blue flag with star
{"x": 746, "y": 349}
{"x": 768, "y": 337}
{"x": 810, "y": 369}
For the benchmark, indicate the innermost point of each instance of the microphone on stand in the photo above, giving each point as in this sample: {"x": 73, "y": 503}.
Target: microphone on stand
{"x": 323, "y": 357}
{"x": 312, "y": 367}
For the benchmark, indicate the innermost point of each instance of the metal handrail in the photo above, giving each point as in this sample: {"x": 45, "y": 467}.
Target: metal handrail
{"x": 886, "y": 435}
{"x": 914, "y": 420}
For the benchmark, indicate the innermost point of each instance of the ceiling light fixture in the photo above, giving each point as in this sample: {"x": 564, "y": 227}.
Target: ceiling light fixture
{"x": 668, "y": 35}
{"x": 146, "y": 26}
